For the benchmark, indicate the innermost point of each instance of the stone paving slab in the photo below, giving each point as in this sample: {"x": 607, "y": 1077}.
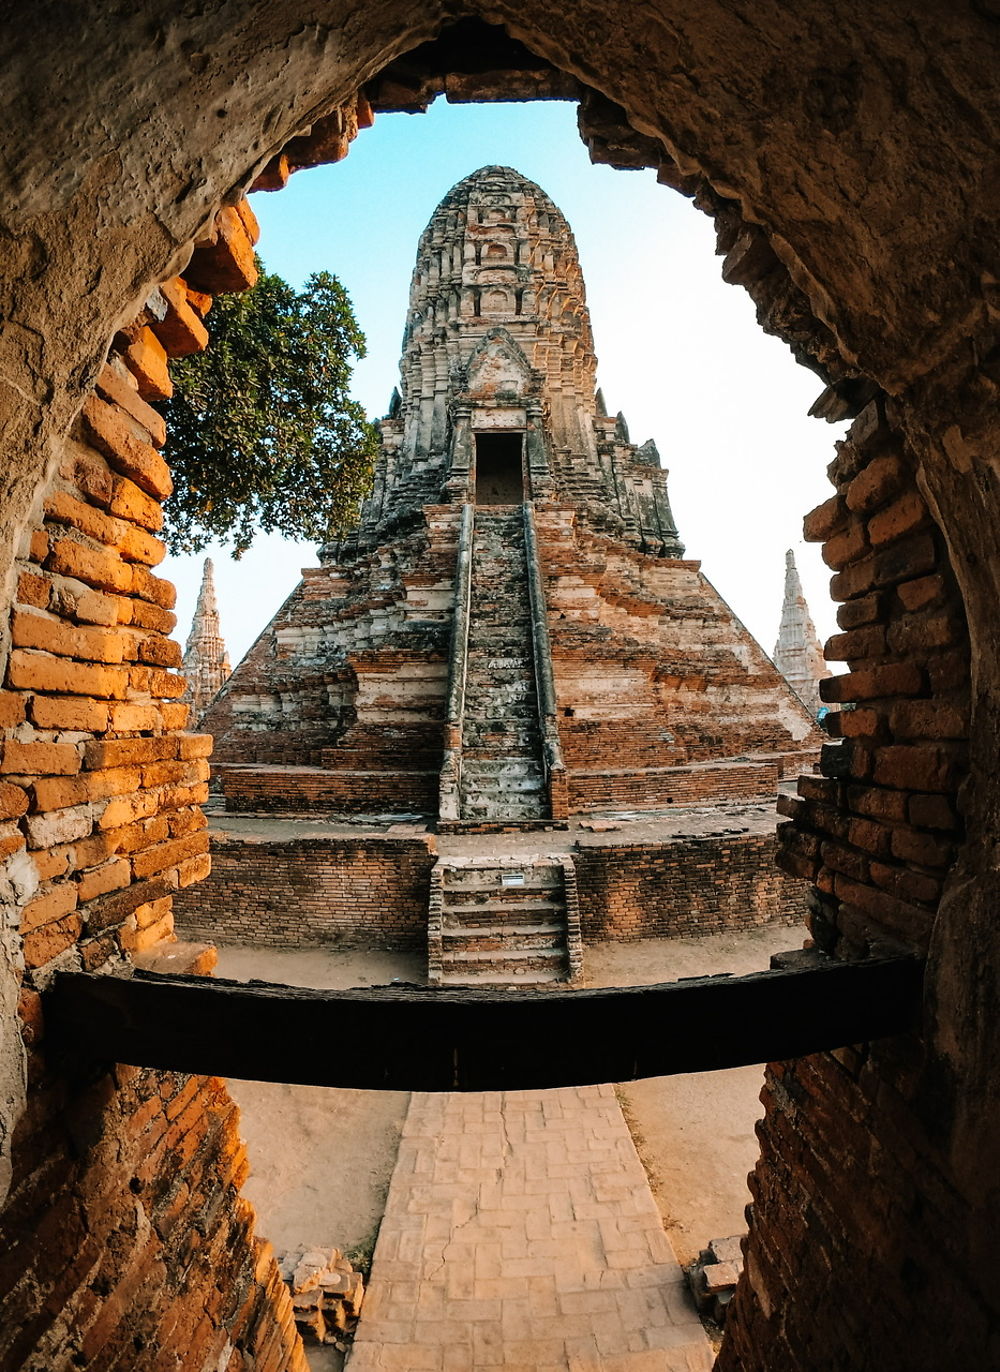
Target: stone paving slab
{"x": 520, "y": 1232}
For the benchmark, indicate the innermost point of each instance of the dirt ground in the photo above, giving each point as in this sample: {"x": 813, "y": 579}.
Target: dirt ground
{"x": 322, "y": 1158}
{"x": 695, "y": 1133}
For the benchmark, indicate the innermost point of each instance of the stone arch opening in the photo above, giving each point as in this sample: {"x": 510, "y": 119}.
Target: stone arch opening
{"x": 925, "y": 415}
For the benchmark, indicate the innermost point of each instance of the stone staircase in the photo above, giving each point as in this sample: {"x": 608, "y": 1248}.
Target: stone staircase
{"x": 504, "y": 922}
{"x": 503, "y": 775}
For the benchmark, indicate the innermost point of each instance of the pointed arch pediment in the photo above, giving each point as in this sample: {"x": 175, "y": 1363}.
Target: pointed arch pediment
{"x": 498, "y": 363}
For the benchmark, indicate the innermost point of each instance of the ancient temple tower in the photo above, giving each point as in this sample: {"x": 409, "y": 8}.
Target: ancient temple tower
{"x": 798, "y": 655}
{"x": 206, "y": 662}
{"x": 512, "y": 633}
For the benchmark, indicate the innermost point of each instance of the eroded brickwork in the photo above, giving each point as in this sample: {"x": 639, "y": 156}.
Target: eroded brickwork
{"x": 126, "y": 1242}
{"x": 854, "y": 1193}
{"x": 372, "y": 892}
{"x": 683, "y": 887}
{"x": 342, "y": 892}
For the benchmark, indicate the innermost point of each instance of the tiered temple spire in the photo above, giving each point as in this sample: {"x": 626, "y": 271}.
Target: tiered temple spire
{"x": 798, "y": 654}
{"x": 206, "y": 662}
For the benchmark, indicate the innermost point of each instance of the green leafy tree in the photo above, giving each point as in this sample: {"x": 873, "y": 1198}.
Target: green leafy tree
{"x": 262, "y": 434}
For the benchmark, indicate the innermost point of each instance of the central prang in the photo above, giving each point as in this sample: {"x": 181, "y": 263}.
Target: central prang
{"x": 511, "y": 638}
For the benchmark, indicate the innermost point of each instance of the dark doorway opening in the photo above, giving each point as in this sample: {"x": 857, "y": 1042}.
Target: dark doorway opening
{"x": 499, "y": 474}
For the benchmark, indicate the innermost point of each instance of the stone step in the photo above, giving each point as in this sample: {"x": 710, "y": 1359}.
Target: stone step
{"x": 492, "y": 908}
{"x": 498, "y": 982}
{"x": 500, "y": 809}
{"x": 489, "y": 880}
{"x": 511, "y": 940}
{"x": 502, "y": 765}
{"x": 510, "y": 957}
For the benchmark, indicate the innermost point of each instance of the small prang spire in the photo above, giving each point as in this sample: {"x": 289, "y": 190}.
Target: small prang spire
{"x": 798, "y": 655}
{"x": 206, "y": 662}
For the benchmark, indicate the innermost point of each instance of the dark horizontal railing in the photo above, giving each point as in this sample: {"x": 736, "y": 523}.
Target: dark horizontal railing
{"x": 412, "y": 1038}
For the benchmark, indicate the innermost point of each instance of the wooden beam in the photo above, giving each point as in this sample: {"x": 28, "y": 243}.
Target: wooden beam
{"x": 415, "y": 1039}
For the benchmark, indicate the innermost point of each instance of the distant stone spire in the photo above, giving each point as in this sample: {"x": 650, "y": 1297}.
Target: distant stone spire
{"x": 206, "y": 662}
{"x": 798, "y": 655}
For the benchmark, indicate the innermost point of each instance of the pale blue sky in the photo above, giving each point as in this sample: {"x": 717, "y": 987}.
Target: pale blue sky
{"x": 678, "y": 351}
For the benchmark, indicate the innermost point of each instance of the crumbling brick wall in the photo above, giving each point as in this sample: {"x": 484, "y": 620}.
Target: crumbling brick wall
{"x": 683, "y": 886}
{"x": 347, "y": 892}
{"x": 853, "y": 1193}
{"x": 126, "y": 1242}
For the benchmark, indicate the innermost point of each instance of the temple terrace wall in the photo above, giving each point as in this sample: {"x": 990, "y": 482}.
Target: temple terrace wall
{"x": 372, "y": 892}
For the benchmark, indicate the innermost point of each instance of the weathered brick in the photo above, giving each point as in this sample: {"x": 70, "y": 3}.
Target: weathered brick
{"x": 902, "y": 517}
{"x": 69, "y": 712}
{"x": 36, "y": 671}
{"x": 110, "y": 876}
{"x": 11, "y": 840}
{"x": 107, "y": 911}
{"x": 123, "y": 810}
{"x": 39, "y": 545}
{"x": 195, "y": 745}
{"x": 39, "y": 759}
{"x": 49, "y": 905}
{"x": 928, "y": 719}
{"x": 129, "y": 502}
{"x": 845, "y": 547}
{"x": 152, "y": 588}
{"x": 117, "y": 385}
{"x": 905, "y": 559}
{"x": 826, "y": 520}
{"x": 111, "y": 433}
{"x": 58, "y": 826}
{"x": 225, "y": 260}
{"x": 878, "y": 483}
{"x": 873, "y": 683}
{"x": 922, "y": 593}
{"x": 877, "y": 802}
{"x": 922, "y": 633}
{"x": 146, "y": 359}
{"x": 856, "y": 645}
{"x": 157, "y": 651}
{"x": 95, "y": 566}
{"x": 932, "y": 812}
{"x": 180, "y": 330}
{"x": 33, "y": 589}
{"x": 59, "y": 792}
{"x": 33, "y": 629}
{"x": 42, "y": 945}
{"x": 13, "y": 800}
{"x": 147, "y": 616}
{"x": 909, "y": 845}
{"x": 175, "y": 714}
{"x": 130, "y": 718}
{"x": 120, "y": 752}
{"x": 916, "y": 767}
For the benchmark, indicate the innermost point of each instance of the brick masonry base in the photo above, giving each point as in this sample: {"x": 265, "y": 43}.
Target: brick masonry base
{"x": 370, "y": 892}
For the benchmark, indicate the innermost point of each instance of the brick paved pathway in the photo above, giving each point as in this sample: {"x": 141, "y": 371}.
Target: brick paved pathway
{"x": 520, "y": 1232}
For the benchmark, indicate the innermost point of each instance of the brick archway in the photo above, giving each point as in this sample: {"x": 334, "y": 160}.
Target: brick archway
{"x": 850, "y": 200}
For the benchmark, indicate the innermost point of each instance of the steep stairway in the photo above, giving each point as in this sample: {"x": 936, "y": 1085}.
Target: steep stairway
{"x": 503, "y": 775}
{"x": 502, "y": 922}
